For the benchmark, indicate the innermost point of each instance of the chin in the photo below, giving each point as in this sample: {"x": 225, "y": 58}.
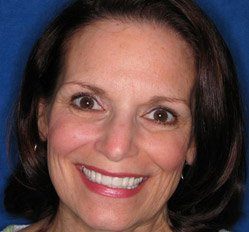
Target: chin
{"x": 109, "y": 222}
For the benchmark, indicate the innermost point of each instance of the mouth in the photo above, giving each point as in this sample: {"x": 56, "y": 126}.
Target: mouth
{"x": 116, "y": 185}
{"x": 112, "y": 182}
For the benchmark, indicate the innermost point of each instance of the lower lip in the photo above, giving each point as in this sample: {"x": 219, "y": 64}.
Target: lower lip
{"x": 110, "y": 192}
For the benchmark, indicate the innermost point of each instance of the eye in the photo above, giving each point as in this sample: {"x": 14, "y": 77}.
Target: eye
{"x": 85, "y": 101}
{"x": 161, "y": 116}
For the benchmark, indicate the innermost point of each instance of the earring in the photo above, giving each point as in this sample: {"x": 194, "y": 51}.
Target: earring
{"x": 35, "y": 147}
{"x": 184, "y": 166}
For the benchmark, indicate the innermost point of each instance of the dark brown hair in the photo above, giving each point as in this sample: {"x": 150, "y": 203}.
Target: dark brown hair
{"x": 209, "y": 198}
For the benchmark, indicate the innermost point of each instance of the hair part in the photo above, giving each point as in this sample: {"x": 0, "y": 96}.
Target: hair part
{"x": 209, "y": 198}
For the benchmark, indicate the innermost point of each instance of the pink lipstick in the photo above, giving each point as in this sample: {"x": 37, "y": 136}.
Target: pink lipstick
{"x": 116, "y": 185}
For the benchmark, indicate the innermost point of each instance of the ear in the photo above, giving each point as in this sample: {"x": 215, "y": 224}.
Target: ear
{"x": 42, "y": 120}
{"x": 190, "y": 157}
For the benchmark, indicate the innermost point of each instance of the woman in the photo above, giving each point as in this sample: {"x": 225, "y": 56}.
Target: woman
{"x": 129, "y": 119}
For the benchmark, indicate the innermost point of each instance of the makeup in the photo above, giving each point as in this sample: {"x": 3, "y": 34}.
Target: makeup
{"x": 116, "y": 185}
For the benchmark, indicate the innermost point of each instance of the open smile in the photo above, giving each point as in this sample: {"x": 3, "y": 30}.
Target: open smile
{"x": 109, "y": 184}
{"x": 113, "y": 182}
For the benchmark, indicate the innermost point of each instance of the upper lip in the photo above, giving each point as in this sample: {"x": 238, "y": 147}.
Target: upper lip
{"x": 112, "y": 174}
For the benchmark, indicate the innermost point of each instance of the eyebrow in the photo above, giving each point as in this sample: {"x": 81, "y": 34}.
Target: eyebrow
{"x": 92, "y": 88}
{"x": 156, "y": 99}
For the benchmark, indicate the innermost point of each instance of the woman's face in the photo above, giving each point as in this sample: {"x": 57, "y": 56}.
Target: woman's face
{"x": 118, "y": 130}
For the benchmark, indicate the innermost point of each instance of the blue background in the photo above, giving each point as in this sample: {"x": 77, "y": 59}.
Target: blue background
{"x": 22, "y": 22}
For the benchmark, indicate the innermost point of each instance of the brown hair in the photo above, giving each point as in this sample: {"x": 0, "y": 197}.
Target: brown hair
{"x": 209, "y": 198}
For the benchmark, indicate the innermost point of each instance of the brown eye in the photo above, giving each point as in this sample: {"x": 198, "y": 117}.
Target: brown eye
{"x": 161, "y": 116}
{"x": 86, "y": 102}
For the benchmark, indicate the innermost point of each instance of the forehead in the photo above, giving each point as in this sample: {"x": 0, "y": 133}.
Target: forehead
{"x": 138, "y": 50}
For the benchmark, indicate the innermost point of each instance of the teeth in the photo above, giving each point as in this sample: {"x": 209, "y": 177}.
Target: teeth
{"x": 125, "y": 182}
{"x": 106, "y": 181}
{"x": 131, "y": 182}
{"x": 98, "y": 178}
{"x": 117, "y": 182}
{"x": 93, "y": 175}
{"x": 113, "y": 182}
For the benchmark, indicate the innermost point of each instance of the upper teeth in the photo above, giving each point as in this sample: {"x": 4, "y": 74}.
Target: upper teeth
{"x": 113, "y": 182}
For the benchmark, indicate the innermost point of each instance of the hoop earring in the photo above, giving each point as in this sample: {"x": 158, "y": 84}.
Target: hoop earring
{"x": 35, "y": 147}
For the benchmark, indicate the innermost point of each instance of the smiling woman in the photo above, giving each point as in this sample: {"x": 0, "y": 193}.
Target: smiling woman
{"x": 120, "y": 136}
{"x": 122, "y": 122}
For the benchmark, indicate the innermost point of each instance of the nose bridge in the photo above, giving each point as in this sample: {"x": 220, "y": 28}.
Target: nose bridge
{"x": 117, "y": 140}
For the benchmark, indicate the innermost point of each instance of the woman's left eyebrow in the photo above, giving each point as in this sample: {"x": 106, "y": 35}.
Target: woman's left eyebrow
{"x": 156, "y": 99}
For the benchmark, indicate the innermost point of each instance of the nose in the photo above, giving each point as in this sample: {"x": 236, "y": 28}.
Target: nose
{"x": 117, "y": 141}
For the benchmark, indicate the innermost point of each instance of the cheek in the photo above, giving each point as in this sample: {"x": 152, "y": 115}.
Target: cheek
{"x": 167, "y": 151}
{"x": 66, "y": 134}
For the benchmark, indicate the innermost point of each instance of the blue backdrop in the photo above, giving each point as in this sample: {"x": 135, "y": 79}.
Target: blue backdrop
{"x": 22, "y": 22}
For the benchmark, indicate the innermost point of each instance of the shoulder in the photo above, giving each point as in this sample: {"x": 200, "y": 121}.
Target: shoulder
{"x": 14, "y": 228}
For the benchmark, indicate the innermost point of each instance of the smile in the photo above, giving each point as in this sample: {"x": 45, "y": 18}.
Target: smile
{"x": 112, "y": 182}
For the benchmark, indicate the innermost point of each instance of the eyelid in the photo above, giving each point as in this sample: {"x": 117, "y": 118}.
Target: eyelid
{"x": 83, "y": 94}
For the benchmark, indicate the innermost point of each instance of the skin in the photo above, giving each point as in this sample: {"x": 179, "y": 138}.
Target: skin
{"x": 132, "y": 68}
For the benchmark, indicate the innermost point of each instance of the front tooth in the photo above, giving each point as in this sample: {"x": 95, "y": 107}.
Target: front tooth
{"x": 125, "y": 182}
{"x": 131, "y": 181}
{"x": 106, "y": 180}
{"x": 117, "y": 182}
{"x": 98, "y": 178}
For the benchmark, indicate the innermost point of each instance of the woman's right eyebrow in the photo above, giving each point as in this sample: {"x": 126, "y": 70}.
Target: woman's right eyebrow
{"x": 84, "y": 85}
